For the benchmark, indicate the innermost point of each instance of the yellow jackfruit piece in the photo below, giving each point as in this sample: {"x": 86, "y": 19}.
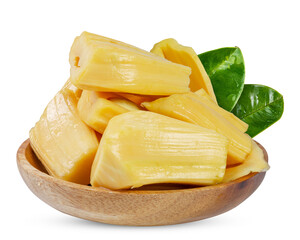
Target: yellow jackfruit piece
{"x": 170, "y": 49}
{"x": 228, "y": 115}
{"x": 138, "y": 99}
{"x": 189, "y": 107}
{"x": 69, "y": 87}
{"x": 255, "y": 162}
{"x": 125, "y": 104}
{"x": 63, "y": 143}
{"x": 106, "y": 65}
{"x": 141, "y": 147}
{"x": 96, "y": 111}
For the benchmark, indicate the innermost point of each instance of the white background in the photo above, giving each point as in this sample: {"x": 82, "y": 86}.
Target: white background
{"x": 34, "y": 45}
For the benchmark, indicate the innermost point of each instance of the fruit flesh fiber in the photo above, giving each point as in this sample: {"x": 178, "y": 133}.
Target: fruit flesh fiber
{"x": 96, "y": 108}
{"x": 141, "y": 147}
{"x": 189, "y": 107}
{"x": 174, "y": 52}
{"x": 63, "y": 143}
{"x": 73, "y": 90}
{"x": 138, "y": 99}
{"x": 107, "y": 65}
{"x": 255, "y": 162}
{"x": 125, "y": 104}
{"x": 228, "y": 115}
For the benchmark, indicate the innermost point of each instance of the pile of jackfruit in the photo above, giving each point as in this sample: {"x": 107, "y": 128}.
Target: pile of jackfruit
{"x": 127, "y": 118}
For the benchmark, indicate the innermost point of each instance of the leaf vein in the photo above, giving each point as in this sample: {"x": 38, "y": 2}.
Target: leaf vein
{"x": 259, "y": 109}
{"x": 216, "y": 67}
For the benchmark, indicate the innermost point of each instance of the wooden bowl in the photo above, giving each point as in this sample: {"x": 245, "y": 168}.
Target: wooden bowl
{"x": 175, "y": 204}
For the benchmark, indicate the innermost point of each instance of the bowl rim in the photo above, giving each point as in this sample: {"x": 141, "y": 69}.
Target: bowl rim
{"x": 23, "y": 163}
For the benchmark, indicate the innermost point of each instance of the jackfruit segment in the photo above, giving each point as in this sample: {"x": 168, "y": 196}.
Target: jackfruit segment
{"x": 228, "y": 115}
{"x": 63, "y": 143}
{"x": 96, "y": 111}
{"x": 171, "y": 50}
{"x": 141, "y": 147}
{"x": 106, "y": 95}
{"x": 99, "y": 38}
{"x": 255, "y": 162}
{"x": 106, "y": 65}
{"x": 189, "y": 107}
{"x": 125, "y": 104}
{"x": 138, "y": 99}
{"x": 69, "y": 87}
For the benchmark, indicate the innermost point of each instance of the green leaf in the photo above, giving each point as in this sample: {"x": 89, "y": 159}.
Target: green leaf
{"x": 226, "y": 69}
{"x": 259, "y": 106}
